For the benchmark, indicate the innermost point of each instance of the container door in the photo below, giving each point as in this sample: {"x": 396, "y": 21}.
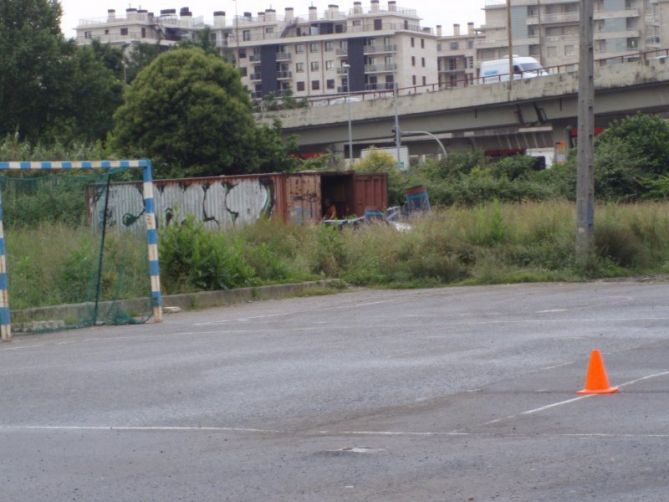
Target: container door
{"x": 371, "y": 192}
{"x": 303, "y": 193}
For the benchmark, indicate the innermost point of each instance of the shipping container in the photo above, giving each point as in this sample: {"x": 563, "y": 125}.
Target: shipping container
{"x": 225, "y": 201}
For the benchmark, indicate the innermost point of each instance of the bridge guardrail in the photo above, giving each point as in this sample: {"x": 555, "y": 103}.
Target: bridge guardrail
{"x": 371, "y": 95}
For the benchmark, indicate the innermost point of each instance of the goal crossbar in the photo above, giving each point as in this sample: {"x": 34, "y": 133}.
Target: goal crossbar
{"x": 83, "y": 165}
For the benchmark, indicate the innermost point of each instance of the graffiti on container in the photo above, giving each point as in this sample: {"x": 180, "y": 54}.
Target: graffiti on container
{"x": 216, "y": 204}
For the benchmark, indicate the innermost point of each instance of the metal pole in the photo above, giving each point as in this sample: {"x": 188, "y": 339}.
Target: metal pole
{"x": 350, "y": 125}
{"x": 510, "y": 35}
{"x": 237, "y": 64}
{"x": 398, "y": 133}
{"x": 585, "y": 185}
{"x": 541, "y": 36}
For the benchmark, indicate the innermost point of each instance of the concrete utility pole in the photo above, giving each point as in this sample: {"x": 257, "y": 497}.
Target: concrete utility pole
{"x": 585, "y": 185}
{"x": 510, "y": 34}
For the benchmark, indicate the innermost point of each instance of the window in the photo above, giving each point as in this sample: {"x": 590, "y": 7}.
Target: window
{"x": 106, "y": 32}
{"x": 424, "y": 80}
{"x": 551, "y": 51}
{"x": 454, "y": 46}
{"x": 315, "y": 66}
{"x": 452, "y": 64}
{"x": 330, "y": 84}
{"x": 299, "y": 48}
{"x": 569, "y": 50}
{"x": 243, "y": 71}
{"x": 422, "y": 62}
{"x": 315, "y": 85}
{"x": 246, "y": 35}
{"x": 357, "y": 22}
{"x": 144, "y": 33}
{"x": 413, "y": 42}
{"x": 315, "y": 47}
{"x": 329, "y": 46}
{"x": 124, "y": 31}
{"x": 470, "y": 62}
{"x": 413, "y": 60}
{"x": 87, "y": 34}
{"x": 422, "y": 43}
{"x": 378, "y": 24}
{"x": 413, "y": 79}
{"x": 470, "y": 44}
{"x": 300, "y": 86}
{"x": 299, "y": 67}
{"x": 242, "y": 53}
{"x": 329, "y": 65}
{"x": 269, "y": 29}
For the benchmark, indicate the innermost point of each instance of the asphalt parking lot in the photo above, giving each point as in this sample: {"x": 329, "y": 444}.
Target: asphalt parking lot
{"x": 455, "y": 394}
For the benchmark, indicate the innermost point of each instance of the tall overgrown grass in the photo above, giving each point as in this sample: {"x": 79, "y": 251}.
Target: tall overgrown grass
{"x": 487, "y": 244}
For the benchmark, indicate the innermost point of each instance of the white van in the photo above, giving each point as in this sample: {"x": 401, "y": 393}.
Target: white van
{"x": 497, "y": 70}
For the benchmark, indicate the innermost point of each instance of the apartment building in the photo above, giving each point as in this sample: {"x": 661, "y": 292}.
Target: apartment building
{"x": 140, "y": 26}
{"x": 379, "y": 47}
{"x": 330, "y": 52}
{"x": 316, "y": 54}
{"x": 548, "y": 29}
{"x": 457, "y": 56}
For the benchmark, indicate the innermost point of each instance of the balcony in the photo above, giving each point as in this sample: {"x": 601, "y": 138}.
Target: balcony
{"x": 284, "y": 56}
{"x": 562, "y": 17}
{"x": 255, "y": 77}
{"x": 381, "y": 68}
{"x": 380, "y": 49}
{"x": 342, "y": 71}
{"x": 342, "y": 52}
{"x": 254, "y": 58}
{"x": 388, "y": 86}
{"x": 283, "y": 75}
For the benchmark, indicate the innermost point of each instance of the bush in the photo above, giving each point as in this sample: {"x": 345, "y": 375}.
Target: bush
{"x": 194, "y": 258}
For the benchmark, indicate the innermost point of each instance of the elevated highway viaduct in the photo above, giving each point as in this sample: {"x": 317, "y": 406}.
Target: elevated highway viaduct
{"x": 533, "y": 113}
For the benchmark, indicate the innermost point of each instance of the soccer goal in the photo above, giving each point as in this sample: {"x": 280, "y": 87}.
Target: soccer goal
{"x": 62, "y": 262}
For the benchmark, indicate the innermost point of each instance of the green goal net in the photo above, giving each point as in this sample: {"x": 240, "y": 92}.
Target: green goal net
{"x": 68, "y": 267}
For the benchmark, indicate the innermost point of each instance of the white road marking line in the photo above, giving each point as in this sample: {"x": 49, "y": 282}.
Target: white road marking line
{"x": 556, "y": 366}
{"x": 251, "y": 430}
{"x": 285, "y": 314}
{"x": 552, "y": 311}
{"x": 554, "y": 405}
{"x": 135, "y": 428}
{"x": 579, "y": 398}
{"x": 655, "y": 375}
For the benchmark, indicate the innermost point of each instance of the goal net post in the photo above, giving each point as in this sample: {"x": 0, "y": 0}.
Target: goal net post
{"x": 95, "y": 276}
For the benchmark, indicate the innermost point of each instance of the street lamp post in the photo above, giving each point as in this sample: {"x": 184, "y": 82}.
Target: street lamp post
{"x": 348, "y": 102}
{"x": 427, "y": 133}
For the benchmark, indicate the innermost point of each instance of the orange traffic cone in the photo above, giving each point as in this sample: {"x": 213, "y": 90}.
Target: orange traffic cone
{"x": 596, "y": 380}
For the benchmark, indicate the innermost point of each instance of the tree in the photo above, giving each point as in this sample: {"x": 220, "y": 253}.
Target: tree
{"x": 31, "y": 47}
{"x": 189, "y": 112}
{"x": 139, "y": 56}
{"x": 646, "y": 138}
{"x": 91, "y": 94}
{"x": 50, "y": 89}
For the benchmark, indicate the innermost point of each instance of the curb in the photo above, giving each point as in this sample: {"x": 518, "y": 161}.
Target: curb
{"x": 53, "y": 318}
{"x": 209, "y": 299}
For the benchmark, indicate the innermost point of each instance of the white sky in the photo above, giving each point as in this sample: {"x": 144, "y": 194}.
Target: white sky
{"x": 433, "y": 12}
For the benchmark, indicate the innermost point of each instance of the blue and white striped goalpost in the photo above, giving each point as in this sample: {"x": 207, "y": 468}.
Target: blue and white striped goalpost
{"x": 151, "y": 230}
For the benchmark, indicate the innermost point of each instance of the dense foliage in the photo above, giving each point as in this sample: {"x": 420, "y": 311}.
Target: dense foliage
{"x": 189, "y": 112}
{"x": 50, "y": 88}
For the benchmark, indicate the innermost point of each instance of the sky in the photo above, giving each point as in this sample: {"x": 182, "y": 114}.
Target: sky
{"x": 433, "y": 12}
